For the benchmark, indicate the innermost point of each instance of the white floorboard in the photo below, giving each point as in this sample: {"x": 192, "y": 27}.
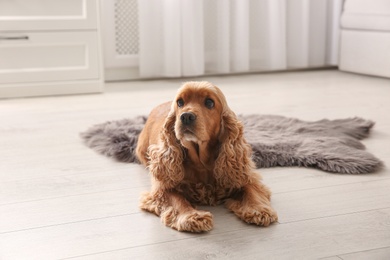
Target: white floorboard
{"x": 58, "y": 199}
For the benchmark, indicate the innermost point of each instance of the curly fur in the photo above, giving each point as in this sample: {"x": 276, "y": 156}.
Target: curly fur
{"x": 206, "y": 161}
{"x": 234, "y": 162}
{"x": 165, "y": 160}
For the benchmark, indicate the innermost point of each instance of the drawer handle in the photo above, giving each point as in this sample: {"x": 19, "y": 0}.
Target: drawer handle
{"x": 12, "y": 38}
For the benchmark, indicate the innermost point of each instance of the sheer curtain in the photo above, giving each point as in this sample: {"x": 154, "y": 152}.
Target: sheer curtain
{"x": 197, "y": 37}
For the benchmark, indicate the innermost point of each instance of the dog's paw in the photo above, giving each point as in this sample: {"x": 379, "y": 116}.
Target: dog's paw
{"x": 195, "y": 221}
{"x": 149, "y": 203}
{"x": 263, "y": 216}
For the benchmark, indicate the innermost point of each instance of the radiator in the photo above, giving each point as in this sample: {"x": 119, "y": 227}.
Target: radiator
{"x": 120, "y": 38}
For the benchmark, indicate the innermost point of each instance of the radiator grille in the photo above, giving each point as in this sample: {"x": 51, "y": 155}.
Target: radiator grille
{"x": 126, "y": 27}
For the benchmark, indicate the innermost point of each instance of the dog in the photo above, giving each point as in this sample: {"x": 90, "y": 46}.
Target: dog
{"x": 196, "y": 153}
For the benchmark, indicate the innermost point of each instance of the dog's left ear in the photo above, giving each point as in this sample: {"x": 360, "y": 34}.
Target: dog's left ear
{"x": 234, "y": 164}
{"x": 166, "y": 158}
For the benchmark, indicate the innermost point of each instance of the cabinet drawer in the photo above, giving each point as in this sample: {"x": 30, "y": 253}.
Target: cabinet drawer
{"x": 39, "y": 57}
{"x": 41, "y": 15}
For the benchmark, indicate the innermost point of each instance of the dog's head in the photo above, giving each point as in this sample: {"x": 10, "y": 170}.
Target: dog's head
{"x": 198, "y": 108}
{"x": 200, "y": 118}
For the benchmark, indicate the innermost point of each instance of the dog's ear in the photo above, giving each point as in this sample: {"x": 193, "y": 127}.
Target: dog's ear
{"x": 234, "y": 164}
{"x": 166, "y": 157}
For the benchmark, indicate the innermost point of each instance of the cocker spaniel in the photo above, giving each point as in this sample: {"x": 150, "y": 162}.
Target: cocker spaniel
{"x": 196, "y": 152}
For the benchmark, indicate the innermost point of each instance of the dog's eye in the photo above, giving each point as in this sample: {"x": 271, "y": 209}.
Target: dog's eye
{"x": 180, "y": 102}
{"x": 209, "y": 103}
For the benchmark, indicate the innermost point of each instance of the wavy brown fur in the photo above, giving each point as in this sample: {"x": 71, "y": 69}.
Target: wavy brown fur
{"x": 196, "y": 153}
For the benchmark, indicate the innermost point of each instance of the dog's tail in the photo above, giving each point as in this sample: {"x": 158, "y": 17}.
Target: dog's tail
{"x": 116, "y": 139}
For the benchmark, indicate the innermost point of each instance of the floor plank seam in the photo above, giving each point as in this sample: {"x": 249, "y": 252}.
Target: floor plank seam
{"x": 329, "y": 186}
{"x": 87, "y": 172}
{"x": 195, "y": 236}
{"x": 331, "y": 216}
{"x": 119, "y": 249}
{"x": 72, "y": 195}
{"x": 69, "y": 223}
{"x": 368, "y": 250}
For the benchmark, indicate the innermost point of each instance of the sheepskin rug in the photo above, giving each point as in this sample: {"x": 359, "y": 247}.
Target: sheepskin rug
{"x": 330, "y": 145}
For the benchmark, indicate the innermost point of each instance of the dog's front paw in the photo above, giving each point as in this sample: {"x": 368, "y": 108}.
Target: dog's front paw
{"x": 262, "y": 216}
{"x": 194, "y": 221}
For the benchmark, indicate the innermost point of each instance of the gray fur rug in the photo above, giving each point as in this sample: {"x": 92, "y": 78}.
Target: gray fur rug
{"x": 329, "y": 145}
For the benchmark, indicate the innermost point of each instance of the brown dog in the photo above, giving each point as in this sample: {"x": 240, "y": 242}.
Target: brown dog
{"x": 195, "y": 149}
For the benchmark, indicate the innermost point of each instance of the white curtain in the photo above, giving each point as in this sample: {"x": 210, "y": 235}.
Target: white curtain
{"x": 196, "y": 37}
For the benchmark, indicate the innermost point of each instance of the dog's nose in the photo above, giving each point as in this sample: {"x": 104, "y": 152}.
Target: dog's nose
{"x": 188, "y": 118}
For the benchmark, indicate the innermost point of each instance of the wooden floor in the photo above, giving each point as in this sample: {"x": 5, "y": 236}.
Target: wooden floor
{"x": 59, "y": 199}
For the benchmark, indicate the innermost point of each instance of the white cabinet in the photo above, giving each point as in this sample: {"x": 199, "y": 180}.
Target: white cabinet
{"x": 39, "y": 57}
{"x": 31, "y": 15}
{"x": 49, "y": 47}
